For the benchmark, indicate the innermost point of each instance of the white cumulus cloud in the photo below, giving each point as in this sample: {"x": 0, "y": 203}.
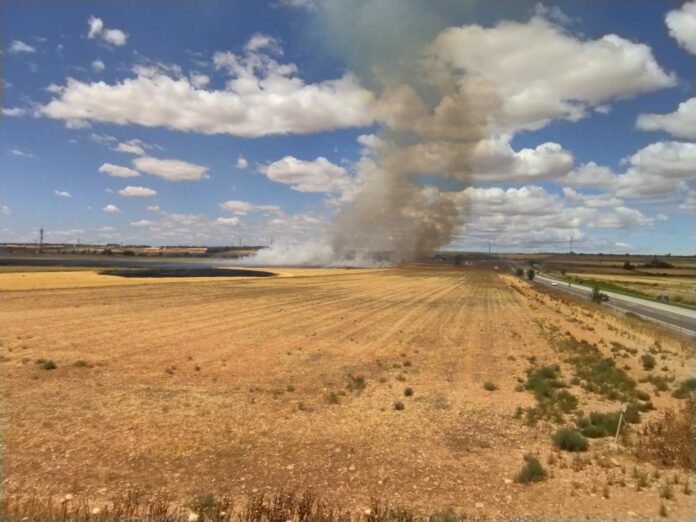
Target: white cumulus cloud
{"x": 241, "y": 163}
{"x": 680, "y": 124}
{"x": 682, "y": 25}
{"x": 319, "y": 175}
{"x": 97, "y": 29}
{"x": 171, "y": 169}
{"x": 137, "y": 191}
{"x": 118, "y": 171}
{"x": 262, "y": 97}
{"x": 98, "y": 66}
{"x": 110, "y": 208}
{"x": 244, "y": 207}
{"x": 543, "y": 72}
{"x": 62, "y": 193}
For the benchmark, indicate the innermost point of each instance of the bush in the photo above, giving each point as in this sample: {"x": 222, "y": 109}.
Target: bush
{"x": 530, "y": 274}
{"x": 669, "y": 439}
{"x": 686, "y": 389}
{"x": 48, "y": 365}
{"x": 532, "y": 471}
{"x": 332, "y": 398}
{"x": 489, "y": 386}
{"x": 398, "y": 406}
{"x": 648, "y": 361}
{"x": 356, "y": 382}
{"x": 569, "y": 439}
{"x": 408, "y": 392}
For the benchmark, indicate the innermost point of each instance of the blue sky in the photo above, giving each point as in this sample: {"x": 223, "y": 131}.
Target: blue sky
{"x": 209, "y": 122}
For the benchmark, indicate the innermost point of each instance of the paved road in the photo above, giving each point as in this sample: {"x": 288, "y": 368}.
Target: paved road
{"x": 678, "y": 318}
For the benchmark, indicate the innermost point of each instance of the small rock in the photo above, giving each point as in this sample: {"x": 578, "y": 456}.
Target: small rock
{"x": 352, "y": 467}
{"x": 479, "y": 505}
{"x": 193, "y": 517}
{"x": 290, "y": 467}
{"x": 508, "y": 481}
{"x": 631, "y": 514}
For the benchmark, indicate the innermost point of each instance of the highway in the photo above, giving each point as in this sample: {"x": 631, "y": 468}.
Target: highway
{"x": 675, "y": 317}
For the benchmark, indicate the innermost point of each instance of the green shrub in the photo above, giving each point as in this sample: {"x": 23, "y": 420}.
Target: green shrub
{"x": 489, "y": 386}
{"x": 332, "y": 398}
{"x": 408, "y": 392}
{"x": 532, "y": 471}
{"x": 686, "y": 388}
{"x": 356, "y": 382}
{"x": 48, "y": 365}
{"x": 398, "y": 405}
{"x": 569, "y": 439}
{"x": 648, "y": 361}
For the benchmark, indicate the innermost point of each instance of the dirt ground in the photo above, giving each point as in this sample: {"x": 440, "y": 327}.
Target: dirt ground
{"x": 243, "y": 386}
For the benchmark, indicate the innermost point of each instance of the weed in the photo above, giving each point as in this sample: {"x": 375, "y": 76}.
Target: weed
{"x": 356, "y": 382}
{"x": 668, "y": 440}
{"x": 48, "y": 365}
{"x": 408, "y": 392}
{"x": 569, "y": 439}
{"x": 663, "y": 510}
{"x": 197, "y": 368}
{"x": 648, "y": 361}
{"x": 332, "y": 398}
{"x": 401, "y": 377}
{"x": 685, "y": 389}
{"x": 489, "y": 386}
{"x": 81, "y": 363}
{"x": 290, "y": 388}
{"x": 666, "y": 491}
{"x": 398, "y": 405}
{"x": 532, "y": 471}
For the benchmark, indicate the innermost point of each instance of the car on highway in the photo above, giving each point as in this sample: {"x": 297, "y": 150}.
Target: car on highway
{"x": 554, "y": 283}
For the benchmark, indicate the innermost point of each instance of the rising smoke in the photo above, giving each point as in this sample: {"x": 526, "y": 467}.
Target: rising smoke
{"x": 423, "y": 108}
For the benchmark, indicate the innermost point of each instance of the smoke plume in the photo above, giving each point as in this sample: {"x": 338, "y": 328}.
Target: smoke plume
{"x": 424, "y": 108}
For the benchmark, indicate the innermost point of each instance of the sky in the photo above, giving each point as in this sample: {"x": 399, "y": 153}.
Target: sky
{"x": 294, "y": 122}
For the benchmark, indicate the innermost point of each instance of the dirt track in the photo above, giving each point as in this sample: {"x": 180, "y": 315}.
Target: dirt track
{"x": 222, "y": 386}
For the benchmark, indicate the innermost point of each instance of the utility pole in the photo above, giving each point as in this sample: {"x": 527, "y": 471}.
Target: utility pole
{"x": 489, "y": 247}
{"x": 571, "y": 244}
{"x": 40, "y": 240}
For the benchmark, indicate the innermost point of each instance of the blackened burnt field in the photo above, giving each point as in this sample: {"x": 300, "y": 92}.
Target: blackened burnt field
{"x": 425, "y": 388}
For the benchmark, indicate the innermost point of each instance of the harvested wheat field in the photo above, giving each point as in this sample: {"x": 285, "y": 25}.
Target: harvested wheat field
{"x": 421, "y": 387}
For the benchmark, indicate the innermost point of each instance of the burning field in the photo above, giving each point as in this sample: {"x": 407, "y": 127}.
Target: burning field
{"x": 425, "y": 388}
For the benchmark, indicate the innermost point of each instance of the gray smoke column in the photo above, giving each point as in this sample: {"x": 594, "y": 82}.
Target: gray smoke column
{"x": 423, "y": 108}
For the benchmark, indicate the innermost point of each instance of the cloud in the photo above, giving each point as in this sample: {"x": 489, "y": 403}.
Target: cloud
{"x": 554, "y": 75}
{"x": 171, "y": 169}
{"x": 133, "y": 146}
{"x": 680, "y": 124}
{"x": 13, "y": 111}
{"x": 97, "y": 29}
{"x": 98, "y": 66}
{"x": 262, "y": 97}
{"x": 682, "y": 25}
{"x": 4, "y": 209}
{"x": 142, "y": 223}
{"x": 118, "y": 171}
{"x": 16, "y": 151}
{"x": 18, "y": 46}
{"x": 591, "y": 200}
{"x": 492, "y": 160}
{"x": 62, "y": 193}
{"x": 112, "y": 209}
{"x": 243, "y": 207}
{"x": 232, "y": 221}
{"x": 319, "y": 175}
{"x": 656, "y": 171}
{"x": 137, "y": 191}
{"x": 241, "y": 163}
{"x": 689, "y": 202}
{"x": 622, "y": 217}
{"x": 200, "y": 80}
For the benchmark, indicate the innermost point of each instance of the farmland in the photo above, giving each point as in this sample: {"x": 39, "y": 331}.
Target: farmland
{"x": 420, "y": 386}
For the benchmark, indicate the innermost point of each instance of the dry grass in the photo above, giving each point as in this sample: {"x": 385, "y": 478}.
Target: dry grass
{"x": 234, "y": 427}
